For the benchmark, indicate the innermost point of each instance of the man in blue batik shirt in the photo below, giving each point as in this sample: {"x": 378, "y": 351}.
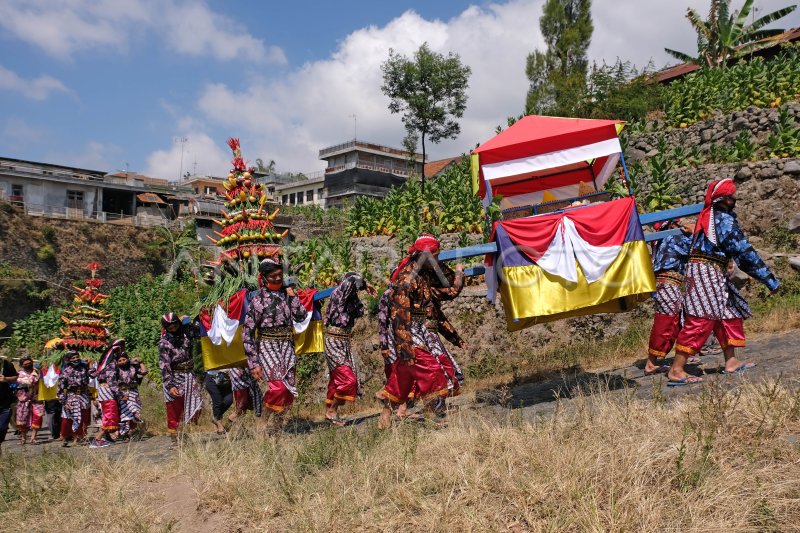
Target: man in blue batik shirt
{"x": 712, "y": 303}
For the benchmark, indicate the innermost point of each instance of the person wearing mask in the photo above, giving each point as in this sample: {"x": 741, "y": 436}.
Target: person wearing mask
{"x": 73, "y": 393}
{"x": 30, "y": 411}
{"x": 125, "y": 380}
{"x": 268, "y": 338}
{"x": 181, "y": 391}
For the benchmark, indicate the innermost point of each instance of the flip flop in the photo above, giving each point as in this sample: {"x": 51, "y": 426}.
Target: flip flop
{"x": 742, "y": 368}
{"x": 689, "y": 380}
{"x": 693, "y": 360}
{"x": 660, "y": 370}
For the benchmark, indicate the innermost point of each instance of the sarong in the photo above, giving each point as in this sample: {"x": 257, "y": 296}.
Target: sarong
{"x": 182, "y": 409}
{"x": 75, "y": 409}
{"x": 343, "y": 372}
{"x": 277, "y": 360}
{"x": 246, "y": 391}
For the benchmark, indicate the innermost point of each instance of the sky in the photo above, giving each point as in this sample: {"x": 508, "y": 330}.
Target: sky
{"x": 157, "y": 86}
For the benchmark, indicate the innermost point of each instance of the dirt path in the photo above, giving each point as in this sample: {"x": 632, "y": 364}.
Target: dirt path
{"x": 776, "y": 355}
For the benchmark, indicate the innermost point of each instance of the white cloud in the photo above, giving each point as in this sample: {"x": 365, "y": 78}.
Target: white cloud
{"x": 61, "y": 28}
{"x": 38, "y": 88}
{"x": 290, "y": 118}
{"x": 201, "y": 155}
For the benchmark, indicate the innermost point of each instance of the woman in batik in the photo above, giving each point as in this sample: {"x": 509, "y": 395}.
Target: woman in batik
{"x": 268, "y": 338}
{"x": 712, "y": 303}
{"x": 181, "y": 390}
{"x": 73, "y": 393}
{"x": 127, "y": 376}
{"x": 30, "y": 411}
{"x": 418, "y": 285}
{"x": 344, "y": 307}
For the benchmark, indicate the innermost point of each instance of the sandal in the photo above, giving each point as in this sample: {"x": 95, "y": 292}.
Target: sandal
{"x": 688, "y": 380}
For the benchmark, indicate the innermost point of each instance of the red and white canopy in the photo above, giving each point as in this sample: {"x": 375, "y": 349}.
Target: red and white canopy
{"x": 541, "y": 159}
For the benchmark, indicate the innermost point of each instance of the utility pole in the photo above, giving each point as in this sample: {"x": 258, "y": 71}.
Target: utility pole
{"x": 183, "y": 141}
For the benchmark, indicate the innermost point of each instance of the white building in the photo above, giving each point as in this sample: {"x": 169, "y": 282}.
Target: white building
{"x": 309, "y": 191}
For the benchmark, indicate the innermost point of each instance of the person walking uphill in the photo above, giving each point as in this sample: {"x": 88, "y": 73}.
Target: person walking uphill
{"x": 268, "y": 338}
{"x": 712, "y": 303}
{"x": 73, "y": 393}
{"x": 30, "y": 411}
{"x": 418, "y": 284}
{"x": 181, "y": 390}
{"x": 344, "y": 307}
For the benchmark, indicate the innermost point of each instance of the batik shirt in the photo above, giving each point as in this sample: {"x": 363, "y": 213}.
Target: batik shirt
{"x": 419, "y": 291}
{"x": 127, "y": 378}
{"x": 72, "y": 378}
{"x": 734, "y": 245}
{"x": 672, "y": 254}
{"x": 385, "y": 334}
{"x": 269, "y": 310}
{"x": 175, "y": 349}
{"x": 344, "y": 306}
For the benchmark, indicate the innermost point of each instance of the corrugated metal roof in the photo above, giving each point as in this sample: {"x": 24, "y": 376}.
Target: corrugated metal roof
{"x": 150, "y": 198}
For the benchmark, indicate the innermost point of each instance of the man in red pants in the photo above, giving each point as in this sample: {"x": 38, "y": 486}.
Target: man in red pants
{"x": 712, "y": 303}
{"x": 418, "y": 284}
{"x": 181, "y": 390}
{"x": 73, "y": 393}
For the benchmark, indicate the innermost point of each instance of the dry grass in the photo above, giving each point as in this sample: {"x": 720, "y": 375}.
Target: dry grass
{"x": 716, "y": 462}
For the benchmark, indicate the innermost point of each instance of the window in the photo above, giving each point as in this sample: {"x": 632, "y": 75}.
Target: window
{"x": 300, "y": 197}
{"x": 319, "y": 194}
{"x": 285, "y": 199}
{"x": 75, "y": 199}
{"x": 291, "y": 198}
{"x": 310, "y": 196}
{"x": 16, "y": 190}
{"x": 210, "y": 190}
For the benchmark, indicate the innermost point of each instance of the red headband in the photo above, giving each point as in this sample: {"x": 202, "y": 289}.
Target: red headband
{"x": 705, "y": 221}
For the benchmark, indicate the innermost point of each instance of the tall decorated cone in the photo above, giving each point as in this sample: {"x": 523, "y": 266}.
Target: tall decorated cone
{"x": 86, "y": 325}
{"x": 246, "y": 235}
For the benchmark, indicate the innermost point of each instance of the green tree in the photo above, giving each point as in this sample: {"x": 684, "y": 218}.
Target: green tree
{"x": 725, "y": 35}
{"x": 558, "y": 75}
{"x": 431, "y": 92}
{"x": 621, "y": 91}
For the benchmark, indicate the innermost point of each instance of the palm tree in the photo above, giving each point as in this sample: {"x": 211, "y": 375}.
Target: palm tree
{"x": 725, "y": 35}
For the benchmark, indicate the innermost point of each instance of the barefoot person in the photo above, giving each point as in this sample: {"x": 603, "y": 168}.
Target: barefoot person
{"x": 712, "y": 303}
{"x": 181, "y": 391}
{"x": 30, "y": 411}
{"x": 268, "y": 338}
{"x": 344, "y": 307}
{"x": 73, "y": 393}
{"x": 419, "y": 282}
{"x": 109, "y": 407}
{"x": 669, "y": 265}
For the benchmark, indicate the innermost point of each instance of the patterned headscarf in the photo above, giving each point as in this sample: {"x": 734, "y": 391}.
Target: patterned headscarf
{"x": 717, "y": 190}
{"x": 424, "y": 243}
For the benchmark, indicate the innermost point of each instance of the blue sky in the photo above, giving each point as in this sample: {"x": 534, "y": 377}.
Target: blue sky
{"x": 110, "y": 84}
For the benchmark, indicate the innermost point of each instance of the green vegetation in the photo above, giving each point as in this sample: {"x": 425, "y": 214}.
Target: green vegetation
{"x": 446, "y": 206}
{"x": 558, "y": 75}
{"x": 748, "y": 83}
{"x": 724, "y": 35}
{"x": 430, "y": 91}
{"x": 621, "y": 91}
